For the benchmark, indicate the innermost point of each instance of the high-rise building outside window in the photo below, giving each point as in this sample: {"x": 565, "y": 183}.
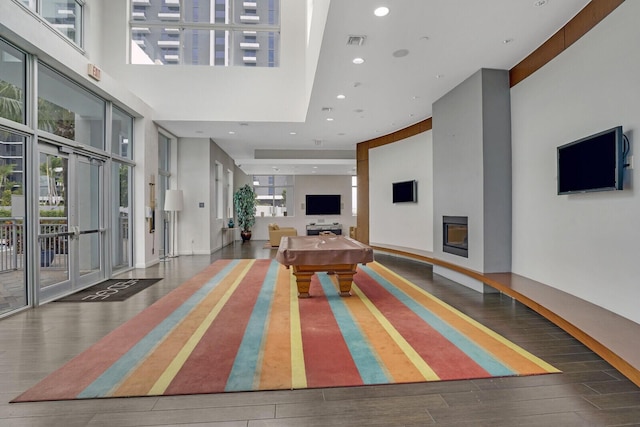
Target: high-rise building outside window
{"x": 205, "y": 32}
{"x": 63, "y": 15}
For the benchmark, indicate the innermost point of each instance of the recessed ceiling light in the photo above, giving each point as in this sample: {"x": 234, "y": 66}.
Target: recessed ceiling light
{"x": 507, "y": 41}
{"x": 292, "y": 133}
{"x": 329, "y": 119}
{"x": 439, "y": 76}
{"x": 231, "y": 132}
{"x": 315, "y": 167}
{"x": 539, "y": 3}
{"x": 358, "y": 61}
{"x": 341, "y": 96}
{"x": 400, "y": 53}
{"x": 381, "y": 11}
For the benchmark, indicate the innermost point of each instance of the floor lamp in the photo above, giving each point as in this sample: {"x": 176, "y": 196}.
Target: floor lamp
{"x": 173, "y": 204}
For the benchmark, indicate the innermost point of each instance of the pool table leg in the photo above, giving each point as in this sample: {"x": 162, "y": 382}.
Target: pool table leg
{"x": 345, "y": 279}
{"x": 303, "y": 281}
{"x": 344, "y": 273}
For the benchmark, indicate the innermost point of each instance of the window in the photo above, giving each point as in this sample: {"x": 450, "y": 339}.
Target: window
{"x": 122, "y": 189}
{"x": 205, "y": 32}
{"x": 122, "y": 247}
{"x": 11, "y": 166}
{"x": 63, "y": 15}
{"x": 68, "y": 110}
{"x": 162, "y": 185}
{"x": 229, "y": 193}
{"x": 164, "y": 154}
{"x": 275, "y": 194}
{"x": 12, "y": 221}
{"x": 121, "y": 133}
{"x": 12, "y": 83}
{"x": 219, "y": 195}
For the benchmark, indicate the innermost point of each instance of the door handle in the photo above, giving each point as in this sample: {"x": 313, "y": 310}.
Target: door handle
{"x": 95, "y": 230}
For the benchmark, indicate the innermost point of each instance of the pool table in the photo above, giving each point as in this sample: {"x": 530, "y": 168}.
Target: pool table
{"x": 337, "y": 255}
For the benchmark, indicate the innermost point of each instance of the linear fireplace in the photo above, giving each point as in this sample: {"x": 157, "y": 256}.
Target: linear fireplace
{"x": 455, "y": 235}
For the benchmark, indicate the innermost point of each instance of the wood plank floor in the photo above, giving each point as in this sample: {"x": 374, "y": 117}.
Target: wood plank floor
{"x": 588, "y": 392}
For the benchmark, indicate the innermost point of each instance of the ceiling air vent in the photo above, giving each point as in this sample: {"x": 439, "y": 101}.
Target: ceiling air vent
{"x": 355, "y": 40}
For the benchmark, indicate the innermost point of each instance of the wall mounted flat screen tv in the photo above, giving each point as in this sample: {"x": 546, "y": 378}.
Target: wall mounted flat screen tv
{"x": 322, "y": 204}
{"x": 593, "y": 163}
{"x": 406, "y": 191}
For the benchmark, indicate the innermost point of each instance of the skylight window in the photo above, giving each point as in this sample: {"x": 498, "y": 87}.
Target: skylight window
{"x": 209, "y": 33}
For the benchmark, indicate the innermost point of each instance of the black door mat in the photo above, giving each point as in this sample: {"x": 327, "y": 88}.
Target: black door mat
{"x": 110, "y": 290}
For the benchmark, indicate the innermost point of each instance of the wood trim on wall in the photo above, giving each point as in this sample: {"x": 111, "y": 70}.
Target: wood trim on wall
{"x": 579, "y": 25}
{"x": 585, "y": 20}
{"x": 362, "y": 171}
{"x": 362, "y": 218}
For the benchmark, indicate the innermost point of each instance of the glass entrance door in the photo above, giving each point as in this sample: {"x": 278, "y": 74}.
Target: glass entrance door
{"x": 70, "y": 233}
{"x": 89, "y": 184}
{"x": 54, "y": 236}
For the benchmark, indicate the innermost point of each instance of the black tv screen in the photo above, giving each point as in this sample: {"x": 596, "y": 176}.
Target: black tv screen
{"x": 323, "y": 204}
{"x": 406, "y": 191}
{"x": 593, "y": 163}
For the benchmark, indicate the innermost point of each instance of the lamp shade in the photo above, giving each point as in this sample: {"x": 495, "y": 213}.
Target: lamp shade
{"x": 173, "y": 200}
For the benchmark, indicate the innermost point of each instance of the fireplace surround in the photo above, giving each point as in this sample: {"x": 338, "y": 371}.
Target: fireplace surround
{"x": 455, "y": 235}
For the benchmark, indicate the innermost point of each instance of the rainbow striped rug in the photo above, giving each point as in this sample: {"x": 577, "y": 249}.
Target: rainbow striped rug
{"x": 238, "y": 325}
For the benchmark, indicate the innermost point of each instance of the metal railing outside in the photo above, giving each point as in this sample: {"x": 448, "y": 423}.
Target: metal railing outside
{"x": 54, "y": 249}
{"x": 11, "y": 244}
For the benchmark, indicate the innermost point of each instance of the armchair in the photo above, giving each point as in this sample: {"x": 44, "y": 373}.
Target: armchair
{"x": 276, "y": 233}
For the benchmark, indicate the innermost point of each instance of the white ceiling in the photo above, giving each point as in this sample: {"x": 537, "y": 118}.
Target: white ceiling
{"x": 445, "y": 42}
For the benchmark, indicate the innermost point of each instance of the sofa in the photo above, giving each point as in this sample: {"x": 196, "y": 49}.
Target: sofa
{"x": 276, "y": 233}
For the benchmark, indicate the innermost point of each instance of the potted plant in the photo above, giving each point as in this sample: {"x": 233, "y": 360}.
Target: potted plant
{"x": 245, "y": 202}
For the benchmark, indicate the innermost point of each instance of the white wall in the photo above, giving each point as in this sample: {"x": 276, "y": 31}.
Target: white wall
{"x": 586, "y": 245}
{"x": 194, "y": 223}
{"x": 226, "y": 93}
{"x": 145, "y": 154}
{"x": 199, "y": 229}
{"x": 407, "y": 226}
{"x": 311, "y": 184}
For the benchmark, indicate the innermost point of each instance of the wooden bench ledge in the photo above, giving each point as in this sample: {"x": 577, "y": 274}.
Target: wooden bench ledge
{"x": 611, "y": 336}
